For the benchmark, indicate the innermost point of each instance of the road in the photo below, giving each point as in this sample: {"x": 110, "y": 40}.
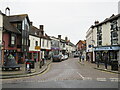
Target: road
{"x": 66, "y": 74}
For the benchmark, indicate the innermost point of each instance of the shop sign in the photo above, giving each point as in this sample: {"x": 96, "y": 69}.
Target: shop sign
{"x": 37, "y": 47}
{"x": 107, "y": 48}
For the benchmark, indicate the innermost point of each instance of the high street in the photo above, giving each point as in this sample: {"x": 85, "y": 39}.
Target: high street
{"x": 66, "y": 74}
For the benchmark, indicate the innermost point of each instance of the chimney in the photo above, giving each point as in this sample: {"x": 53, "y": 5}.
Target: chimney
{"x": 7, "y": 11}
{"x": 41, "y": 29}
{"x": 66, "y": 38}
{"x": 31, "y": 23}
{"x": 96, "y": 22}
{"x": 59, "y": 36}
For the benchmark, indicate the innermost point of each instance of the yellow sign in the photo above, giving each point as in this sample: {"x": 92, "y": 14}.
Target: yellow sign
{"x": 37, "y": 47}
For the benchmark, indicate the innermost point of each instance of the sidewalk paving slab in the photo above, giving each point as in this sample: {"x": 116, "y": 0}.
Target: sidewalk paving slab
{"x": 101, "y": 67}
{"x": 22, "y": 72}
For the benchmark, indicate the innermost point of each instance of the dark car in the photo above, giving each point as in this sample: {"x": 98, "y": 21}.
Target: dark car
{"x": 57, "y": 58}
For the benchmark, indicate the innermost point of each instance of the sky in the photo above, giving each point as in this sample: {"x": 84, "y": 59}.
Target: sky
{"x": 71, "y": 18}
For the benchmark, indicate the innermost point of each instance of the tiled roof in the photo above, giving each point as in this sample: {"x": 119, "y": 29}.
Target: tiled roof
{"x": 16, "y": 18}
{"x": 108, "y": 19}
{"x": 8, "y": 26}
{"x": 34, "y": 31}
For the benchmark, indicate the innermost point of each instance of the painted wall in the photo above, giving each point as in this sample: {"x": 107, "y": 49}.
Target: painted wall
{"x": 118, "y": 21}
{"x": 45, "y": 44}
{"x": 106, "y": 34}
{"x": 1, "y": 26}
{"x": 33, "y": 40}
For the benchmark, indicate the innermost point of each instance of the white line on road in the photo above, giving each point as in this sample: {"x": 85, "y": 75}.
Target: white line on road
{"x": 80, "y": 75}
{"x": 114, "y": 79}
{"x": 101, "y": 79}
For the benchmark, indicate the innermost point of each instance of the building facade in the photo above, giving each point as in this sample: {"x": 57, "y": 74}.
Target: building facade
{"x": 108, "y": 38}
{"x": 21, "y": 23}
{"x": 1, "y": 29}
{"x": 34, "y": 43}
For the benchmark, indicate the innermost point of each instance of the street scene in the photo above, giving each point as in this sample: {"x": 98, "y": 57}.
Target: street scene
{"x": 59, "y": 44}
{"x": 66, "y": 74}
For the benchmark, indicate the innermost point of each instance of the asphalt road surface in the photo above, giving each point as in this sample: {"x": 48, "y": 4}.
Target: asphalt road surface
{"x": 66, "y": 74}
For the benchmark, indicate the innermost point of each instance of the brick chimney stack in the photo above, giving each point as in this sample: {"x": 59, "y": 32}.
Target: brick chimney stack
{"x": 59, "y": 36}
{"x": 96, "y": 22}
{"x": 42, "y": 29}
{"x": 31, "y": 23}
{"x": 66, "y": 38}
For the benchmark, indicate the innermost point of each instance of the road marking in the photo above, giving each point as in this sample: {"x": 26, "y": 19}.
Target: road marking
{"x": 101, "y": 79}
{"x": 80, "y": 75}
{"x": 114, "y": 79}
{"x": 87, "y": 78}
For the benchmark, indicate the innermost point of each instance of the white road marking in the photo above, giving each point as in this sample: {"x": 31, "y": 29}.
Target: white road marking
{"x": 101, "y": 79}
{"x": 114, "y": 79}
{"x": 87, "y": 78}
{"x": 80, "y": 75}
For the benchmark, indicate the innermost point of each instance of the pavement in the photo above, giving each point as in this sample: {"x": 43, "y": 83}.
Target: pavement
{"x": 23, "y": 73}
{"x": 101, "y": 67}
{"x": 38, "y": 70}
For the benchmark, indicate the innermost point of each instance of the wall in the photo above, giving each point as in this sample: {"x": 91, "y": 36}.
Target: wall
{"x": 1, "y": 26}
{"x": 45, "y": 46}
{"x": 106, "y": 34}
{"x": 33, "y": 40}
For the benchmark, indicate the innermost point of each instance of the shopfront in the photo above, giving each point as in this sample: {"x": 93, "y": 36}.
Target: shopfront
{"x": 112, "y": 51}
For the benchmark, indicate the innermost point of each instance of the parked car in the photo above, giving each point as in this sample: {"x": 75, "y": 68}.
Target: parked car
{"x": 76, "y": 54}
{"x": 64, "y": 57}
{"x": 57, "y": 58}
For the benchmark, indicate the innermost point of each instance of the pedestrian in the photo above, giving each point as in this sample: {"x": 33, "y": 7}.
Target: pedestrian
{"x": 105, "y": 58}
{"x": 87, "y": 58}
{"x": 83, "y": 58}
{"x": 80, "y": 57}
{"x": 97, "y": 59}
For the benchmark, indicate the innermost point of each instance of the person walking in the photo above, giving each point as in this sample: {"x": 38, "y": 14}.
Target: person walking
{"x": 105, "y": 58}
{"x": 80, "y": 57}
{"x": 98, "y": 59}
{"x": 83, "y": 58}
{"x": 87, "y": 58}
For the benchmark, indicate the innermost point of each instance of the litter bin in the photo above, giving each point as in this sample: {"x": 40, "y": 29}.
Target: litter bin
{"x": 114, "y": 65}
{"x": 43, "y": 61}
{"x": 31, "y": 64}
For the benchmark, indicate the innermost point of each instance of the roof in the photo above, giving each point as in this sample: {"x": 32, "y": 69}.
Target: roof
{"x": 16, "y": 18}
{"x": 83, "y": 42}
{"x": 34, "y": 31}
{"x": 108, "y": 19}
{"x": 8, "y": 26}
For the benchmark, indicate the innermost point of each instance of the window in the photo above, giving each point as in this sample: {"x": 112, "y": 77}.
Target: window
{"x": 43, "y": 43}
{"x": 114, "y": 25}
{"x": 36, "y": 43}
{"x": 47, "y": 43}
{"x": 13, "y": 39}
{"x": 19, "y": 26}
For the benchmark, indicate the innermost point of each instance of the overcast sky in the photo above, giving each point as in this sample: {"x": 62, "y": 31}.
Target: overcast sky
{"x": 71, "y": 18}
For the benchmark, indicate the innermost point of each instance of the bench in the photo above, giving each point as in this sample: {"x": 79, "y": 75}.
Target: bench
{"x": 11, "y": 67}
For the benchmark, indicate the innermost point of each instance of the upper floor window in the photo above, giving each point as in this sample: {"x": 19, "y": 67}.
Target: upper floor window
{"x": 47, "y": 43}
{"x": 13, "y": 38}
{"x": 36, "y": 43}
{"x": 99, "y": 29}
{"x": 19, "y": 26}
{"x": 43, "y": 43}
{"x": 114, "y": 25}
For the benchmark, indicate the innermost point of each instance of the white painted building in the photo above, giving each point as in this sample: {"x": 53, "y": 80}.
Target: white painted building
{"x": 1, "y": 28}
{"x": 91, "y": 41}
{"x": 105, "y": 38}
